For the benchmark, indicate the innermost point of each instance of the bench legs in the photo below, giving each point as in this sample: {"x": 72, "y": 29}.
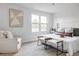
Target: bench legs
{"x": 58, "y": 48}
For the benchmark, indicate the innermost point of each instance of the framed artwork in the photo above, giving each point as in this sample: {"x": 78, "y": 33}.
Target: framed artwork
{"x": 15, "y": 18}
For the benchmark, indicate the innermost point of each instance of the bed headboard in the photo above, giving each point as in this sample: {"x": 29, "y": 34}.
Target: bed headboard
{"x": 75, "y": 31}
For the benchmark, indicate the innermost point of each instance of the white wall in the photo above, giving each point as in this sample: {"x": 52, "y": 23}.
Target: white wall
{"x": 25, "y": 31}
{"x": 67, "y": 18}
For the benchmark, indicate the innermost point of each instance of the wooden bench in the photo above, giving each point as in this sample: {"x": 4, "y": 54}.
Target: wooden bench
{"x": 57, "y": 42}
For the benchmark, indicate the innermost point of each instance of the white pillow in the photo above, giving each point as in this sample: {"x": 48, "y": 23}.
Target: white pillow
{"x": 1, "y": 35}
{"x": 61, "y": 30}
{"x": 9, "y": 34}
{"x": 68, "y": 30}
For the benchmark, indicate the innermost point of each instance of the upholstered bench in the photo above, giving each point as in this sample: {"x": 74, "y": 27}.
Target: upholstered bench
{"x": 53, "y": 43}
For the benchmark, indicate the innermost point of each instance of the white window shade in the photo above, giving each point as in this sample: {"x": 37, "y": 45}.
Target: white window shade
{"x": 35, "y": 27}
{"x": 43, "y": 23}
{"x": 43, "y": 27}
{"x": 35, "y": 23}
{"x": 39, "y": 23}
{"x": 43, "y": 19}
{"x": 35, "y": 19}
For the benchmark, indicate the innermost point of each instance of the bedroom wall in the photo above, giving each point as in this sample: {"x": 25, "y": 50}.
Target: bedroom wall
{"x": 25, "y": 32}
{"x": 67, "y": 18}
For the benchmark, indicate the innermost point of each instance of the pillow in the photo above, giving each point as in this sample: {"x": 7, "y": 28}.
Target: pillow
{"x": 69, "y": 32}
{"x": 57, "y": 33}
{"x": 1, "y": 35}
{"x": 61, "y": 30}
{"x": 5, "y": 34}
{"x": 9, "y": 34}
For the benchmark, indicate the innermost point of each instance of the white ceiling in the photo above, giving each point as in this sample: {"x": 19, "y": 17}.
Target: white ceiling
{"x": 48, "y": 7}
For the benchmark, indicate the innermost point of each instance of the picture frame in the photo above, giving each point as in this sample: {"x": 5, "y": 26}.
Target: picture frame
{"x": 15, "y": 18}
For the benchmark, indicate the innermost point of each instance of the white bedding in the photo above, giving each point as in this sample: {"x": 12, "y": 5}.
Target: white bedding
{"x": 71, "y": 44}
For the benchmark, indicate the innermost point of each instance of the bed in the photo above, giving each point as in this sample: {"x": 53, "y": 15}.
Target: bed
{"x": 71, "y": 44}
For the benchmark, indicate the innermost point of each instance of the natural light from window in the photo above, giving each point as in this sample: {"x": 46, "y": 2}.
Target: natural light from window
{"x": 39, "y": 23}
{"x": 43, "y": 23}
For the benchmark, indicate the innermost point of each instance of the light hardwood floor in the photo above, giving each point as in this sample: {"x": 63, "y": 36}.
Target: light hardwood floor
{"x": 31, "y": 49}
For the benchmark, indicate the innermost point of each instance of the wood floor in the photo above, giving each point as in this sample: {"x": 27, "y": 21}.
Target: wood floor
{"x": 31, "y": 49}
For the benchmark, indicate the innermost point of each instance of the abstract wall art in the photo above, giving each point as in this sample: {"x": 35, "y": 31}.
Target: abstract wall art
{"x": 15, "y": 18}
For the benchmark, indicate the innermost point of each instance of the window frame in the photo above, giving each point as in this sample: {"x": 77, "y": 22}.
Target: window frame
{"x": 43, "y": 23}
{"x": 39, "y": 23}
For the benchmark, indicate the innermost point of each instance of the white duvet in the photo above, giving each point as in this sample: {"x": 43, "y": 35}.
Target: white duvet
{"x": 71, "y": 44}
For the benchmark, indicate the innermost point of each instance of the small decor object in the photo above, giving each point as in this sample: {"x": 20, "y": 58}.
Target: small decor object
{"x": 15, "y": 18}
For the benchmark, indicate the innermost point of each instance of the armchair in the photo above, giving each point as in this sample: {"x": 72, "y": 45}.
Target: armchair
{"x": 9, "y": 43}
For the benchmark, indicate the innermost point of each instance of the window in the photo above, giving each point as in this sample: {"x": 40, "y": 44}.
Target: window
{"x": 39, "y": 23}
{"x": 43, "y": 23}
{"x": 35, "y": 23}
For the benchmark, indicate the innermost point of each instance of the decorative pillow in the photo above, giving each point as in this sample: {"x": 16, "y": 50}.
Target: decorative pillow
{"x": 5, "y": 34}
{"x": 57, "y": 33}
{"x": 9, "y": 34}
{"x": 1, "y": 35}
{"x": 65, "y": 32}
{"x": 69, "y": 32}
{"x": 61, "y": 30}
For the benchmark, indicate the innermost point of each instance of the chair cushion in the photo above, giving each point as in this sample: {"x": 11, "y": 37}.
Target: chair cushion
{"x": 6, "y": 34}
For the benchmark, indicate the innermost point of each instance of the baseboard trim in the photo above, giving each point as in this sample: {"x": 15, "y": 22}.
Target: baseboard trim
{"x": 28, "y": 42}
